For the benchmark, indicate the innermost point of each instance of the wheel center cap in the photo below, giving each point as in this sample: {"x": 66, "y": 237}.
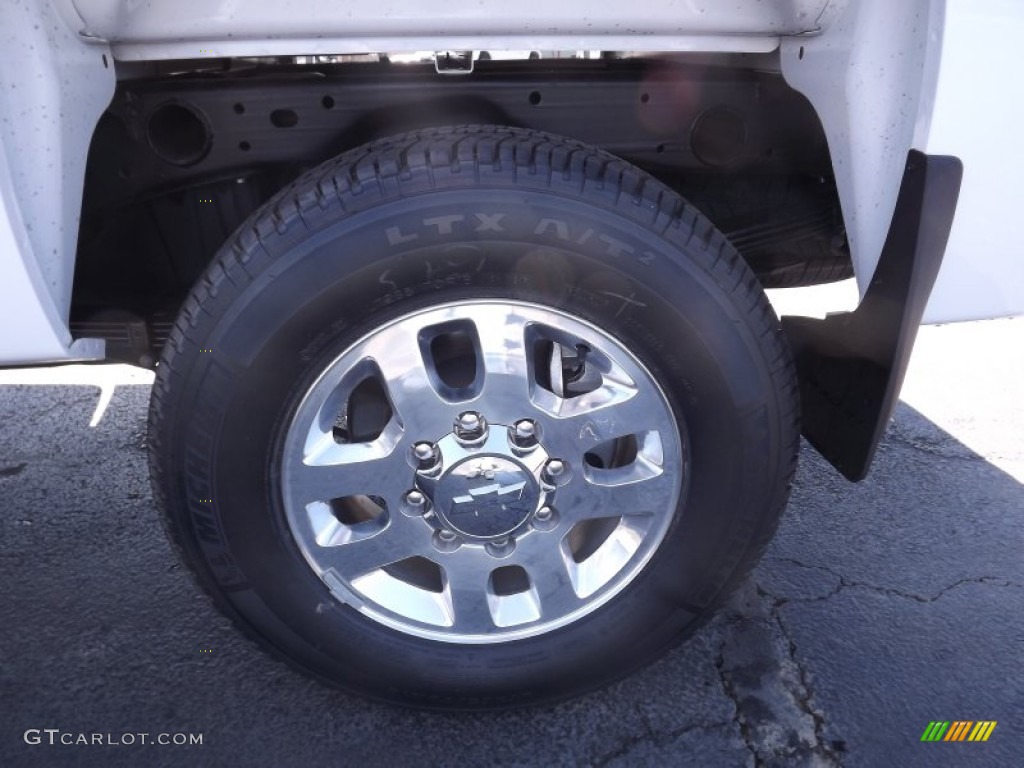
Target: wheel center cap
{"x": 486, "y": 496}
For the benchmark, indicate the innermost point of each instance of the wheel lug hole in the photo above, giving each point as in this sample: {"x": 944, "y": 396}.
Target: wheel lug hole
{"x": 445, "y": 540}
{"x": 502, "y": 547}
{"x": 470, "y": 427}
{"x": 545, "y": 518}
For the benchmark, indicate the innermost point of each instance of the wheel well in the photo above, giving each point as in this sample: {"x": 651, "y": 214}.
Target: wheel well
{"x": 188, "y": 150}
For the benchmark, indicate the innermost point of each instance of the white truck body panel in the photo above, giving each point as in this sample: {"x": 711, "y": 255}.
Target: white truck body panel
{"x": 53, "y": 89}
{"x": 33, "y": 329}
{"x": 978, "y": 116}
{"x": 871, "y": 68}
{"x": 866, "y": 78}
{"x": 196, "y": 28}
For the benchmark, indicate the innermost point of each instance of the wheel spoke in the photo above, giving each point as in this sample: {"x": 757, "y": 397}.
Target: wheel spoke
{"x": 573, "y": 426}
{"x": 497, "y": 541}
{"x": 542, "y": 559}
{"x": 638, "y": 490}
{"x": 401, "y": 538}
{"x": 502, "y": 337}
{"x": 419, "y": 407}
{"x": 349, "y": 471}
{"x": 466, "y": 572}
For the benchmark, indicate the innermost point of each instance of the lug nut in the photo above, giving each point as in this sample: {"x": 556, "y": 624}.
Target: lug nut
{"x": 416, "y": 504}
{"x": 501, "y": 547}
{"x": 427, "y": 456}
{"x": 445, "y": 540}
{"x": 545, "y": 519}
{"x": 470, "y": 427}
{"x": 554, "y": 470}
{"x": 523, "y": 434}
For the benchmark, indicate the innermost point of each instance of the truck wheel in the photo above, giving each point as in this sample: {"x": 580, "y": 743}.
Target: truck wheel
{"x": 474, "y": 417}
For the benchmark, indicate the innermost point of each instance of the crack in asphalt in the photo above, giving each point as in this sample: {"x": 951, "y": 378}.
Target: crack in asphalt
{"x": 845, "y": 583}
{"x": 654, "y": 737}
{"x": 753, "y": 689}
{"x": 730, "y": 690}
{"x": 804, "y": 695}
{"x": 771, "y": 693}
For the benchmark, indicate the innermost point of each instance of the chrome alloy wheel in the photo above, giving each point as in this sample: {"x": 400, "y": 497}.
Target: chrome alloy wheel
{"x": 481, "y": 471}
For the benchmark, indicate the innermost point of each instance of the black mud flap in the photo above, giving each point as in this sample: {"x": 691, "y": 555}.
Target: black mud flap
{"x": 851, "y": 364}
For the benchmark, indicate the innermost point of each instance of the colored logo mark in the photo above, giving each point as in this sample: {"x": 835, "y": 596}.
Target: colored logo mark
{"x": 958, "y": 730}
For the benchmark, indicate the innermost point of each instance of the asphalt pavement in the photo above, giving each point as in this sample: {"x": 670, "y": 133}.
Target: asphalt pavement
{"x": 879, "y": 608}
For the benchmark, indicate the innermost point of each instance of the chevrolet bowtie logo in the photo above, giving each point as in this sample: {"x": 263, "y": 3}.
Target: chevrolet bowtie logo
{"x": 475, "y": 494}
{"x": 483, "y": 468}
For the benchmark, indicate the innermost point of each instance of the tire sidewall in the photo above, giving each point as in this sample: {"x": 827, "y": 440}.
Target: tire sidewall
{"x": 327, "y": 285}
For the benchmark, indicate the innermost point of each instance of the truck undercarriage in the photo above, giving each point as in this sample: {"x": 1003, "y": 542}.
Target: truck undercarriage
{"x": 189, "y": 149}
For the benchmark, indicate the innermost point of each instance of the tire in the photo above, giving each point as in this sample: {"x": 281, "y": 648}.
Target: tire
{"x": 302, "y": 420}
